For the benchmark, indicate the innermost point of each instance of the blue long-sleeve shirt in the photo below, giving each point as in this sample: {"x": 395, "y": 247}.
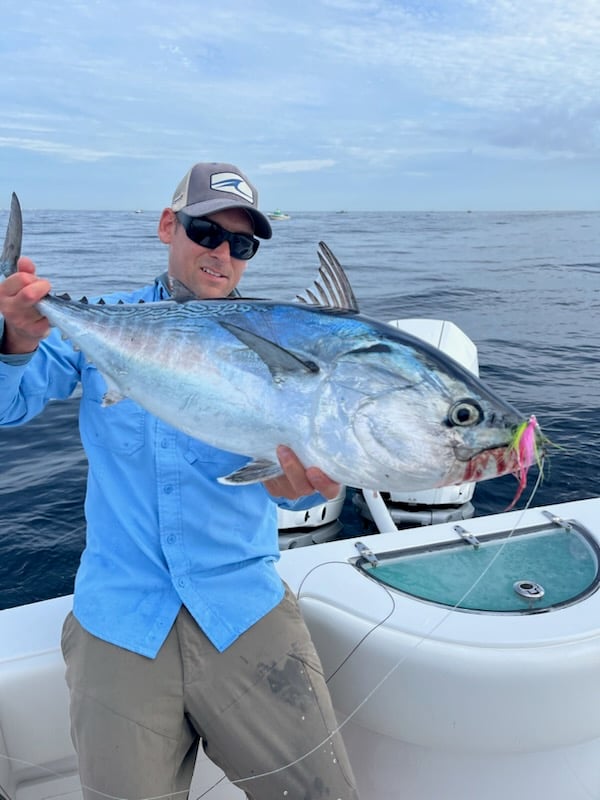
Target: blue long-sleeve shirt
{"x": 161, "y": 530}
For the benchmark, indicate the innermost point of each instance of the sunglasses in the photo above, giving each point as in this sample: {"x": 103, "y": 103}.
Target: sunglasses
{"x": 209, "y": 234}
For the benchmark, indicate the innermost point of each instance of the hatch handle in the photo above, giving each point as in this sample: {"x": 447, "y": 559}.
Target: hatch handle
{"x": 468, "y": 537}
{"x": 366, "y": 553}
{"x": 556, "y": 520}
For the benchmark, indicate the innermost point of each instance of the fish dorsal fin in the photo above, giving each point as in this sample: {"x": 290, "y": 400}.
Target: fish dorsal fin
{"x": 181, "y": 294}
{"x": 331, "y": 288}
{"x": 279, "y": 360}
{"x": 179, "y": 291}
{"x": 12, "y": 241}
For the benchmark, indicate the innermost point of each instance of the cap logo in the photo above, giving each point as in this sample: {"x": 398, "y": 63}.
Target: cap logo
{"x": 232, "y": 184}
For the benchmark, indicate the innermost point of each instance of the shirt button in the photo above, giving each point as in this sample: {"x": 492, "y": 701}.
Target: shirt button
{"x": 168, "y": 489}
{"x": 171, "y": 539}
{"x": 181, "y": 583}
{"x": 164, "y": 444}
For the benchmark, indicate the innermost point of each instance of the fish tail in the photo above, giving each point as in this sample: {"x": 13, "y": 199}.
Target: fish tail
{"x": 12, "y": 241}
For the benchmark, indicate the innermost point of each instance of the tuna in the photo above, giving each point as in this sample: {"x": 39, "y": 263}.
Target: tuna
{"x": 372, "y": 406}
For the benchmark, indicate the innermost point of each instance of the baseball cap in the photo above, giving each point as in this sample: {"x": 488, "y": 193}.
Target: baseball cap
{"x": 209, "y": 187}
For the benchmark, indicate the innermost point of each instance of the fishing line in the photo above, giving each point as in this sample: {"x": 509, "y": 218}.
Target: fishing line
{"x": 580, "y": 783}
{"x": 52, "y": 773}
{"x": 3, "y": 792}
{"x": 368, "y": 633}
{"x": 425, "y": 637}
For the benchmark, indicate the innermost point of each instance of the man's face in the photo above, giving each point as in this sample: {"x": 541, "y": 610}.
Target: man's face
{"x": 206, "y": 273}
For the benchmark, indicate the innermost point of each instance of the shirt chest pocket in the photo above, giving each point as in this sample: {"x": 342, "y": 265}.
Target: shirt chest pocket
{"x": 119, "y": 428}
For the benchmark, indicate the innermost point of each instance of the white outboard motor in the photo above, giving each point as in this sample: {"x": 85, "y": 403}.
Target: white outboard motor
{"x": 315, "y": 525}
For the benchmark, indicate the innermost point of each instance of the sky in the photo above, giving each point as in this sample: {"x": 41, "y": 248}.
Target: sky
{"x": 357, "y": 105}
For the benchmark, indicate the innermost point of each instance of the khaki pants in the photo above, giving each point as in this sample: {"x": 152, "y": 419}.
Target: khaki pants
{"x": 261, "y": 708}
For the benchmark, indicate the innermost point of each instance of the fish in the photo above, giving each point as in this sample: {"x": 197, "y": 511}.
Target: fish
{"x": 371, "y": 405}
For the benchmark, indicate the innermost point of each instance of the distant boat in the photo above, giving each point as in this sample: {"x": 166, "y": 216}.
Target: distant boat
{"x": 138, "y": 211}
{"x": 278, "y": 215}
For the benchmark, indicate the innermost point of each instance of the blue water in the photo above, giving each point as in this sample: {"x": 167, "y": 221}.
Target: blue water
{"x": 524, "y": 286}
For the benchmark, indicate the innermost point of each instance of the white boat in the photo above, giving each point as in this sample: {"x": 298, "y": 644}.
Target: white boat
{"x": 496, "y": 701}
{"x": 278, "y": 215}
{"x": 433, "y": 702}
{"x": 462, "y": 658}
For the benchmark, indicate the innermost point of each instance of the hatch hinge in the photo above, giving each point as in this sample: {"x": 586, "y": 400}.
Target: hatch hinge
{"x": 556, "y": 520}
{"x": 366, "y": 553}
{"x": 468, "y": 537}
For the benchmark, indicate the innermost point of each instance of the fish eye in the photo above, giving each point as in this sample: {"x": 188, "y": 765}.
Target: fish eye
{"x": 465, "y": 412}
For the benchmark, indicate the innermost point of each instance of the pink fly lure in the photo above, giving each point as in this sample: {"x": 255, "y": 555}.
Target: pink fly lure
{"x": 525, "y": 447}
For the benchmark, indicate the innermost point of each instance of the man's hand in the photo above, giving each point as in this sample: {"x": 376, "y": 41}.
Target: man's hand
{"x": 297, "y": 481}
{"x": 24, "y": 326}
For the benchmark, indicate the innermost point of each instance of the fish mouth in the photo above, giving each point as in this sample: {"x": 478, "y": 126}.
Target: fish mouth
{"x": 465, "y": 454}
{"x": 496, "y": 460}
{"x": 490, "y": 462}
{"x": 525, "y": 448}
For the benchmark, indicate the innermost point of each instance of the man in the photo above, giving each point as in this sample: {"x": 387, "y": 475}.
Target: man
{"x": 181, "y": 628}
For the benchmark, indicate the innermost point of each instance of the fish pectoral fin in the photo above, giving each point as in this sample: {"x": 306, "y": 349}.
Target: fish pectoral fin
{"x": 257, "y": 471}
{"x": 279, "y": 360}
{"x": 112, "y": 397}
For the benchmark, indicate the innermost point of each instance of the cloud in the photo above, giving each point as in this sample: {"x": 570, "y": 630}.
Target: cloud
{"x": 55, "y": 148}
{"x": 329, "y": 84}
{"x": 314, "y": 165}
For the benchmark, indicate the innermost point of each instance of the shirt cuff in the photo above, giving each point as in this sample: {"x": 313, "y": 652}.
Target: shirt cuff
{"x": 16, "y": 360}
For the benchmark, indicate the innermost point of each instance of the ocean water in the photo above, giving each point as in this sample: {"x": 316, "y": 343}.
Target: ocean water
{"x": 524, "y": 286}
